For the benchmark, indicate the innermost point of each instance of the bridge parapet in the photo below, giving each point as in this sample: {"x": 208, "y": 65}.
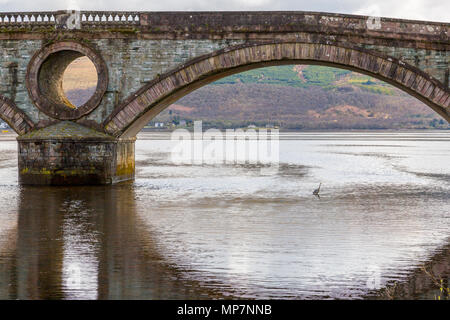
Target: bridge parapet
{"x": 227, "y": 22}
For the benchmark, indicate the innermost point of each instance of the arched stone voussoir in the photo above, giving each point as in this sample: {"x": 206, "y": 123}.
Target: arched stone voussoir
{"x": 135, "y": 112}
{"x": 14, "y": 117}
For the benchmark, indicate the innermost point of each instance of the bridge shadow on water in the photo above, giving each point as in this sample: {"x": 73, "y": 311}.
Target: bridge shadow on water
{"x": 86, "y": 243}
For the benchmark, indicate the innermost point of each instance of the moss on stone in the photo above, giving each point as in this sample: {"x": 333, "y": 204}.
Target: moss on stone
{"x": 65, "y": 130}
{"x": 123, "y": 30}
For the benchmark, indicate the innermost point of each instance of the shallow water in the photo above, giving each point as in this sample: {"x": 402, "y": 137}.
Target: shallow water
{"x": 211, "y": 231}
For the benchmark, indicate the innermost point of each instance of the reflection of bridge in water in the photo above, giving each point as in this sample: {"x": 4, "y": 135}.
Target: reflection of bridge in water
{"x": 90, "y": 243}
{"x": 69, "y": 245}
{"x": 146, "y": 61}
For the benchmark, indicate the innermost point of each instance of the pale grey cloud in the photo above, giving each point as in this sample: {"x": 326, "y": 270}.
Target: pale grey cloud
{"x": 433, "y": 10}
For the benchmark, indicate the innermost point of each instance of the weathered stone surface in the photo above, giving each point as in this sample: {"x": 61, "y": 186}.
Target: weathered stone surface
{"x": 136, "y": 53}
{"x": 14, "y": 116}
{"x": 70, "y": 154}
{"x": 45, "y": 79}
{"x": 65, "y": 130}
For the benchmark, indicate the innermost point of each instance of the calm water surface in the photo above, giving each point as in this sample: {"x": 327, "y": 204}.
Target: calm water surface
{"x": 218, "y": 231}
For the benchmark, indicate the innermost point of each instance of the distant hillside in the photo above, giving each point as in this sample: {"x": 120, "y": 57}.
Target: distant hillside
{"x": 297, "y": 97}
{"x": 303, "y": 97}
{"x": 80, "y": 80}
{"x": 301, "y": 76}
{"x": 232, "y": 105}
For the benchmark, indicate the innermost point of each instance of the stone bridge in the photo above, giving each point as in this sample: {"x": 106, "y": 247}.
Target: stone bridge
{"x": 147, "y": 60}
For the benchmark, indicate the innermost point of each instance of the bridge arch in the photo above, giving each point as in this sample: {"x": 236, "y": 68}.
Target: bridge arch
{"x": 138, "y": 109}
{"x": 14, "y": 117}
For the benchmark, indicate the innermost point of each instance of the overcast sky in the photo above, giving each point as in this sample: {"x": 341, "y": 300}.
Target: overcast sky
{"x": 432, "y": 10}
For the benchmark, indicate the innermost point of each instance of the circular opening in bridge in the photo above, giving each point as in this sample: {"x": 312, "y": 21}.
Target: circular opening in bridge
{"x": 68, "y": 78}
{"x": 79, "y": 81}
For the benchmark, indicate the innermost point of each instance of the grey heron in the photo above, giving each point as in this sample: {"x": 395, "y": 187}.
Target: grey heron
{"x": 316, "y": 192}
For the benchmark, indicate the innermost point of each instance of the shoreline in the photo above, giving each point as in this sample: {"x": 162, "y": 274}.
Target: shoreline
{"x": 422, "y": 283}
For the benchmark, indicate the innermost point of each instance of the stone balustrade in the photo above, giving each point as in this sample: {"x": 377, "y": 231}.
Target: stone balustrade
{"x": 87, "y": 19}
{"x": 27, "y": 18}
{"x": 92, "y": 18}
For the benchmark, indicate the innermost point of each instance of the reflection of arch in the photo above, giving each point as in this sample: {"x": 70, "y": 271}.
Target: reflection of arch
{"x": 15, "y": 117}
{"x": 129, "y": 117}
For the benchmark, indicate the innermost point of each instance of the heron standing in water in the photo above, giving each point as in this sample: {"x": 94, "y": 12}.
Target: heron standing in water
{"x": 316, "y": 192}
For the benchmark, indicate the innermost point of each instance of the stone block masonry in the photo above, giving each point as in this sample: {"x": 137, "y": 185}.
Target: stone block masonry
{"x": 69, "y": 154}
{"x": 138, "y": 47}
{"x": 75, "y": 162}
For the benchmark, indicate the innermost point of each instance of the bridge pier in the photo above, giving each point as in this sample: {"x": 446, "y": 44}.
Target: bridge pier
{"x": 70, "y": 154}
